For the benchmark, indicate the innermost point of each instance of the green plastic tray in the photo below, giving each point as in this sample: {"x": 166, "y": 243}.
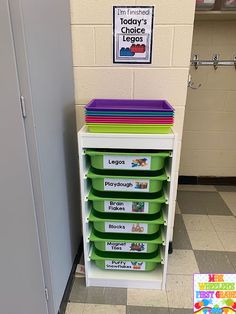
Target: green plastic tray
{"x": 127, "y": 205}
{"x": 133, "y": 244}
{"x": 127, "y": 183}
{"x": 125, "y": 261}
{"x": 127, "y": 161}
{"x": 129, "y": 128}
{"x": 117, "y": 223}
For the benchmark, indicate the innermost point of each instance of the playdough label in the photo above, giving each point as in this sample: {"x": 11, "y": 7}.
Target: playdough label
{"x": 126, "y": 207}
{"x": 125, "y": 227}
{"x": 127, "y": 185}
{"x": 135, "y": 247}
{"x": 125, "y": 265}
{"x": 127, "y": 162}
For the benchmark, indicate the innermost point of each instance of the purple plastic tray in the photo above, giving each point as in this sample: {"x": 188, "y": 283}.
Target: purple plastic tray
{"x": 128, "y": 105}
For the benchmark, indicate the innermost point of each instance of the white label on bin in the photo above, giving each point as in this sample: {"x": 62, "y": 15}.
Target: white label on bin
{"x": 126, "y": 227}
{"x": 125, "y": 265}
{"x": 126, "y": 207}
{"x": 127, "y": 162}
{"x": 136, "y": 247}
{"x": 128, "y": 185}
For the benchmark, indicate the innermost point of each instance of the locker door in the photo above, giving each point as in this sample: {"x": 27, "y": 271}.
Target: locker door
{"x": 22, "y": 288}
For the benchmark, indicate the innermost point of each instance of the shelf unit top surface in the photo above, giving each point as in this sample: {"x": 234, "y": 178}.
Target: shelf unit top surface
{"x": 124, "y": 140}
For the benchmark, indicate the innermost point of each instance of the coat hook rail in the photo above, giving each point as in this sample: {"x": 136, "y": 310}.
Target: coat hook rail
{"x": 215, "y": 62}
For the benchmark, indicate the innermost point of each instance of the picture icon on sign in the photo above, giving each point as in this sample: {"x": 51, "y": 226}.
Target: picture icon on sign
{"x": 126, "y": 52}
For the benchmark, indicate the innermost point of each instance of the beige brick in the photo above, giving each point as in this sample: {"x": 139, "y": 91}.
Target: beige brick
{"x": 224, "y": 33}
{"x": 172, "y": 11}
{"x": 162, "y": 45}
{"x": 182, "y": 46}
{"x": 83, "y": 45}
{"x": 202, "y": 33}
{"x": 206, "y": 100}
{"x": 222, "y": 79}
{"x": 215, "y": 121}
{"x": 104, "y": 53}
{"x": 102, "y": 83}
{"x": 79, "y": 116}
{"x": 169, "y": 84}
{"x": 94, "y": 11}
{"x": 201, "y": 140}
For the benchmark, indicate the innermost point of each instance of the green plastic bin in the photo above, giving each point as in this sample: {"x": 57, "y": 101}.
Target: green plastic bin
{"x": 131, "y": 243}
{"x": 116, "y": 223}
{"x": 126, "y": 261}
{"x": 129, "y": 205}
{"x": 127, "y": 183}
{"x": 128, "y": 160}
{"x": 129, "y": 128}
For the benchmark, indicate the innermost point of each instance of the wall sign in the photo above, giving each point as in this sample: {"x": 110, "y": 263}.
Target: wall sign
{"x": 132, "y": 34}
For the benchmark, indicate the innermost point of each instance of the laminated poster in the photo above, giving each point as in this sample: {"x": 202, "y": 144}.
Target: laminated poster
{"x": 132, "y": 34}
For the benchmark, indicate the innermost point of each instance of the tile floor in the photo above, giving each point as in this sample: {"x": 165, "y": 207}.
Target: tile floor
{"x": 204, "y": 241}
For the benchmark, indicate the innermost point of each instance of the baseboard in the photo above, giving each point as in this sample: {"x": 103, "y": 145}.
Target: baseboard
{"x": 69, "y": 284}
{"x": 207, "y": 180}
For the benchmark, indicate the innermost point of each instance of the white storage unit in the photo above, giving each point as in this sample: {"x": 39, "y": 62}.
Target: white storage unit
{"x": 109, "y": 278}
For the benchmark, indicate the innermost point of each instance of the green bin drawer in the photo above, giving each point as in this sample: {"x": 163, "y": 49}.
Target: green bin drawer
{"x": 127, "y": 183}
{"x": 127, "y": 160}
{"x": 129, "y": 205}
{"x": 124, "y": 261}
{"x": 122, "y": 243}
{"x": 116, "y": 223}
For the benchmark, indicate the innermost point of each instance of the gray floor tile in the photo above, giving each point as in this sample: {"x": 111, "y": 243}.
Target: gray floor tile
{"x": 180, "y": 238}
{"x": 196, "y": 187}
{"x": 202, "y": 203}
{"x": 232, "y": 258}
{"x": 181, "y": 311}
{"x": 97, "y": 295}
{"x": 79, "y": 291}
{"x": 213, "y": 262}
{"x": 226, "y": 188}
{"x": 146, "y": 310}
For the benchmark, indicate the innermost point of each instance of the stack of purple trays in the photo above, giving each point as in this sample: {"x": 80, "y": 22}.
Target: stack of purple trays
{"x": 129, "y": 116}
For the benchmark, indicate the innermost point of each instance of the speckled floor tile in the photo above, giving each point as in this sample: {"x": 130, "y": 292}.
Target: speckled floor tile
{"x": 182, "y": 262}
{"x": 230, "y": 200}
{"x": 146, "y": 310}
{"x": 205, "y": 240}
{"x": 232, "y": 258}
{"x": 198, "y": 222}
{"x": 98, "y": 295}
{"x": 75, "y": 308}
{"x": 196, "y": 187}
{"x": 180, "y": 236}
{"x": 180, "y": 291}
{"x": 213, "y": 262}
{"x": 180, "y": 311}
{"x": 228, "y": 240}
{"x": 202, "y": 203}
{"x": 177, "y": 209}
{"x": 225, "y": 188}
{"x": 223, "y": 223}
{"x": 142, "y": 297}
